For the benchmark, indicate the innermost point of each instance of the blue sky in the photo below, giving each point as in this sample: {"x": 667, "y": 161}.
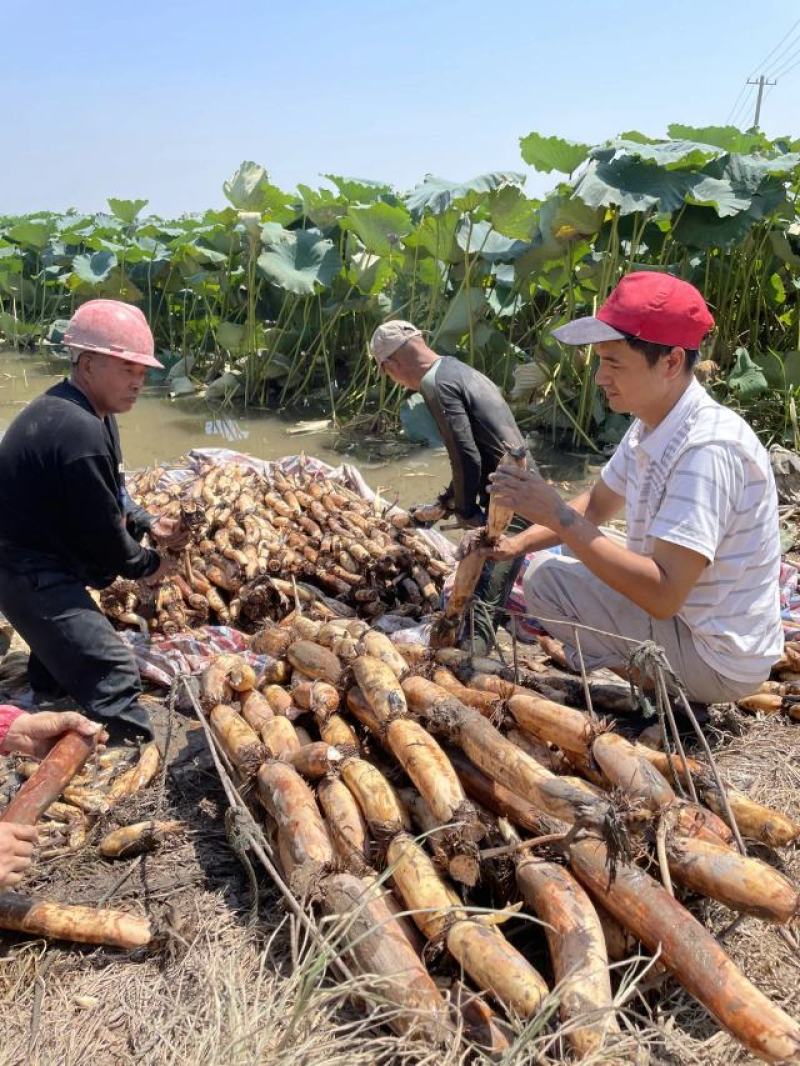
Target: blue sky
{"x": 163, "y": 99}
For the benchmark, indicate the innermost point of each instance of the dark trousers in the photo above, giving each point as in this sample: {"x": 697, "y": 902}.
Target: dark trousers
{"x": 75, "y": 651}
{"x": 491, "y": 592}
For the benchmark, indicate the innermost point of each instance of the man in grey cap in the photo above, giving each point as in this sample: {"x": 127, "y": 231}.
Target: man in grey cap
{"x": 477, "y": 427}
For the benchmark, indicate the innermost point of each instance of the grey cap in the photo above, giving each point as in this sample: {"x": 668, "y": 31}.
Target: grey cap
{"x": 389, "y": 337}
{"x": 587, "y": 330}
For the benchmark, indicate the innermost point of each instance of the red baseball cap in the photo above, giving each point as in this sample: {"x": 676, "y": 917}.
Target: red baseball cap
{"x": 649, "y": 305}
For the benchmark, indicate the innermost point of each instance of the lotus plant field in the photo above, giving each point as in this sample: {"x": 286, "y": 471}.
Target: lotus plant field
{"x": 272, "y": 299}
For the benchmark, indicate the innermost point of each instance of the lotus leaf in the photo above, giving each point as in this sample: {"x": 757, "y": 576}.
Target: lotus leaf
{"x": 552, "y": 153}
{"x": 637, "y": 137}
{"x": 671, "y": 155}
{"x": 251, "y": 190}
{"x": 94, "y": 269}
{"x": 321, "y": 207}
{"x": 512, "y": 213}
{"x": 380, "y": 227}
{"x": 727, "y": 137}
{"x": 791, "y": 369}
{"x": 481, "y": 239}
{"x": 438, "y": 194}
{"x": 182, "y": 386}
{"x": 437, "y": 235}
{"x": 222, "y": 220}
{"x": 272, "y": 366}
{"x": 719, "y": 194}
{"x": 632, "y": 185}
{"x": 565, "y": 218}
{"x": 771, "y": 363}
{"x": 230, "y": 335}
{"x": 540, "y": 253}
{"x": 369, "y": 273}
{"x": 360, "y": 191}
{"x": 12, "y": 327}
{"x": 299, "y": 261}
{"x": 465, "y": 307}
{"x": 427, "y": 271}
{"x": 126, "y": 210}
{"x": 701, "y": 227}
{"x": 31, "y": 231}
{"x": 226, "y": 387}
{"x": 783, "y": 250}
{"x": 746, "y": 379}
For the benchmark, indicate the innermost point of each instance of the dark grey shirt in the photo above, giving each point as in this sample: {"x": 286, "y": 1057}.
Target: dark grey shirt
{"x": 476, "y": 425}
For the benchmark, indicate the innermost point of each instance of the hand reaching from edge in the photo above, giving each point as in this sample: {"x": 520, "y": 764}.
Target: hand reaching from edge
{"x": 35, "y": 734}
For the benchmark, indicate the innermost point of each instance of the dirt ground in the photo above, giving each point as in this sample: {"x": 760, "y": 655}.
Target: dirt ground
{"x": 222, "y": 988}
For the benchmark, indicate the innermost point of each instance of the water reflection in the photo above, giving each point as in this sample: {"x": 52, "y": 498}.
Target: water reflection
{"x": 160, "y": 430}
{"x": 227, "y": 428}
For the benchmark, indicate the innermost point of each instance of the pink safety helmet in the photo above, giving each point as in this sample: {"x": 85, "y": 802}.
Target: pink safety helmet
{"x": 111, "y": 327}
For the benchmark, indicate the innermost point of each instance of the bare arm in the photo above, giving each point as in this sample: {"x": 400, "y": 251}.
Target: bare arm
{"x": 597, "y": 504}
{"x": 658, "y": 584}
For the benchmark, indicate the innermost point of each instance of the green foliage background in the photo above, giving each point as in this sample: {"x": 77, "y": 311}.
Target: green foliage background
{"x": 275, "y": 296}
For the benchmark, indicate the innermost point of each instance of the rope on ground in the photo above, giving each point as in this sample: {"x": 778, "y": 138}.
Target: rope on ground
{"x": 514, "y": 649}
{"x": 120, "y": 881}
{"x": 39, "y": 990}
{"x": 666, "y": 713}
{"x": 661, "y": 852}
{"x": 649, "y": 659}
{"x": 577, "y": 625}
{"x": 172, "y": 697}
{"x": 587, "y": 692}
{"x": 252, "y": 835}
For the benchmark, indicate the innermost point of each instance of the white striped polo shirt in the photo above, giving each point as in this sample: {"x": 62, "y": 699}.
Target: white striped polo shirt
{"x": 703, "y": 480}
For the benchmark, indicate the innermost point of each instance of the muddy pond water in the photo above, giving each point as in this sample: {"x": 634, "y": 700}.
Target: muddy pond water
{"x": 160, "y": 430}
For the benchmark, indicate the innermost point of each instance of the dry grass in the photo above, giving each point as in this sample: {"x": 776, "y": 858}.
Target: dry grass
{"x": 221, "y": 992}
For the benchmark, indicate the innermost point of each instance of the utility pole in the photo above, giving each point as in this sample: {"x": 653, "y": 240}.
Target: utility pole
{"x": 760, "y": 82}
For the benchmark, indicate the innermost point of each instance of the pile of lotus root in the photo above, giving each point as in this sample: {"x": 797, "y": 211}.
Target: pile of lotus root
{"x": 262, "y": 543}
{"x": 399, "y": 780}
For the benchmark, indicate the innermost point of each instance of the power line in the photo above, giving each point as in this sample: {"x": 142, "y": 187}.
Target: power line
{"x": 744, "y": 106}
{"x": 787, "y": 65}
{"x": 744, "y": 103}
{"x": 791, "y": 68}
{"x": 783, "y": 58}
{"x": 767, "y": 58}
{"x": 780, "y": 58}
{"x": 742, "y": 91}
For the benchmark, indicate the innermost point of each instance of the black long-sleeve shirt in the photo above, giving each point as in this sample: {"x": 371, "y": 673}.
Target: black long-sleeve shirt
{"x": 476, "y": 425}
{"x": 63, "y": 502}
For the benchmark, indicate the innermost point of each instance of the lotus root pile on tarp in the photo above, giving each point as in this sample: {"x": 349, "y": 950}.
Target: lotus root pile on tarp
{"x": 267, "y": 536}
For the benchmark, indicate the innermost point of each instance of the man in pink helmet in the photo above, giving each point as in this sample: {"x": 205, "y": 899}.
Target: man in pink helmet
{"x": 699, "y": 571}
{"x": 67, "y": 522}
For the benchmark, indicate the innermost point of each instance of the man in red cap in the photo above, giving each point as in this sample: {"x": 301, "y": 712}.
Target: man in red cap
{"x": 67, "y": 522}
{"x": 699, "y": 572}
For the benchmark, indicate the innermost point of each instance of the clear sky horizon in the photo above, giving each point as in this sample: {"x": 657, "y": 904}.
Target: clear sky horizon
{"x": 164, "y": 100}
